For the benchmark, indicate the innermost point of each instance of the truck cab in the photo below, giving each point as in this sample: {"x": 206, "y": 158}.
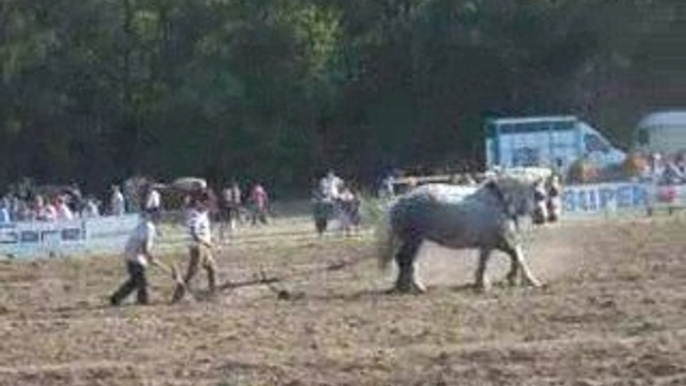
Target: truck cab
{"x": 551, "y": 141}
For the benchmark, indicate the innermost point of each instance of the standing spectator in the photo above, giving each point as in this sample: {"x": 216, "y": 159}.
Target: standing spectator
{"x": 541, "y": 203}
{"x": 16, "y": 208}
{"x": 4, "y": 211}
{"x": 62, "y": 211}
{"x": 43, "y": 210}
{"x": 673, "y": 174}
{"x": 657, "y": 168}
{"x": 21, "y": 210}
{"x": 554, "y": 198}
{"x": 231, "y": 206}
{"x": 74, "y": 198}
{"x": 259, "y": 200}
{"x": 322, "y": 211}
{"x": 387, "y": 189}
{"x": 349, "y": 210}
{"x": 680, "y": 163}
{"x": 331, "y": 185}
{"x": 91, "y": 209}
{"x": 153, "y": 202}
{"x": 212, "y": 204}
{"x": 117, "y": 204}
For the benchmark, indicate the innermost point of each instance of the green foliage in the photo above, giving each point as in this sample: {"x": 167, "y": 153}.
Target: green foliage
{"x": 277, "y": 90}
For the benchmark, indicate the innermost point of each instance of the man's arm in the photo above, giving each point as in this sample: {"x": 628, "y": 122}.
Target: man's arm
{"x": 159, "y": 264}
{"x": 198, "y": 239}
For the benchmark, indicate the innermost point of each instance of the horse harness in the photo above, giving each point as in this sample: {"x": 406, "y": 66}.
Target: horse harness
{"x": 493, "y": 187}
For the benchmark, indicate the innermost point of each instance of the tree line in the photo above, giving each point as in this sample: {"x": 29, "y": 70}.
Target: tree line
{"x": 94, "y": 91}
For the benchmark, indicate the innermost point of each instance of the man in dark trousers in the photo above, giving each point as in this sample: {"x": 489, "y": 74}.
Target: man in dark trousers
{"x": 138, "y": 256}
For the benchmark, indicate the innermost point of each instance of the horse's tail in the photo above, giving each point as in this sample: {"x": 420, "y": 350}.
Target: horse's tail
{"x": 386, "y": 239}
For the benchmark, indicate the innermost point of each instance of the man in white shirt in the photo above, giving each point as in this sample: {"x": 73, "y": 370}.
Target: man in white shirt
{"x": 541, "y": 207}
{"x": 138, "y": 256}
{"x": 200, "y": 248}
{"x": 153, "y": 202}
{"x": 4, "y": 211}
{"x": 554, "y": 198}
{"x": 63, "y": 213}
{"x": 387, "y": 187}
{"x": 117, "y": 204}
{"x": 45, "y": 211}
{"x": 331, "y": 185}
{"x": 91, "y": 210}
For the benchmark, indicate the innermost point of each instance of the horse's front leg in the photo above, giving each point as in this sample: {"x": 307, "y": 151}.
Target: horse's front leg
{"x": 517, "y": 258}
{"x": 481, "y": 282}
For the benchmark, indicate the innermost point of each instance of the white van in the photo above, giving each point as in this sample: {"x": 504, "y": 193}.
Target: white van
{"x": 662, "y": 132}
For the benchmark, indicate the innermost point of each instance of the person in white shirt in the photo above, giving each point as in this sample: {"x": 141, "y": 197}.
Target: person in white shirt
{"x": 44, "y": 211}
{"x": 138, "y": 256}
{"x": 200, "y": 248}
{"x": 117, "y": 204}
{"x": 63, "y": 213}
{"x": 347, "y": 204}
{"x": 4, "y": 212}
{"x": 91, "y": 209}
{"x": 230, "y": 208}
{"x": 540, "y": 200}
{"x": 331, "y": 185}
{"x": 153, "y": 202}
{"x": 387, "y": 189}
{"x": 554, "y": 198}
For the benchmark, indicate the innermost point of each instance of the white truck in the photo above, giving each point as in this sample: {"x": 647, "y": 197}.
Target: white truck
{"x": 662, "y": 132}
{"x": 547, "y": 141}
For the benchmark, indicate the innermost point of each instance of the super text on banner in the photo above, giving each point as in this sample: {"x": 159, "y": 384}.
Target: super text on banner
{"x": 579, "y": 199}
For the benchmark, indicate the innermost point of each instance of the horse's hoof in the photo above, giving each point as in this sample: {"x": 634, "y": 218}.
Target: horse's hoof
{"x": 402, "y": 290}
{"x": 535, "y": 284}
{"x": 408, "y": 290}
{"x": 418, "y": 287}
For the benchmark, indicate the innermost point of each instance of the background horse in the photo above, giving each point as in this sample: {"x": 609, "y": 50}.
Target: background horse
{"x": 486, "y": 219}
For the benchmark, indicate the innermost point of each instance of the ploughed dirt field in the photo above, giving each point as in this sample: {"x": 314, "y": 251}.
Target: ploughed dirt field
{"x": 613, "y": 313}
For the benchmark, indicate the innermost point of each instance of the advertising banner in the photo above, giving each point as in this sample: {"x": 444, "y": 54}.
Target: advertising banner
{"x": 24, "y": 240}
{"x": 606, "y": 197}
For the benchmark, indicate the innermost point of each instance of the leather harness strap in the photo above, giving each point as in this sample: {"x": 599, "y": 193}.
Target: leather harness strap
{"x": 495, "y": 189}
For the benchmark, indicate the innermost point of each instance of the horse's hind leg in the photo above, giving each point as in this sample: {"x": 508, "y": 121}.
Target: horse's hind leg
{"x": 407, "y": 269}
{"x": 513, "y": 275}
{"x": 481, "y": 282}
{"x": 517, "y": 257}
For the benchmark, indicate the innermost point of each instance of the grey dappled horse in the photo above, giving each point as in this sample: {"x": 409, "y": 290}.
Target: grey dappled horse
{"x": 457, "y": 218}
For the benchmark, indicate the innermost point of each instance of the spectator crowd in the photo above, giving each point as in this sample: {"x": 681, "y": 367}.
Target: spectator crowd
{"x": 661, "y": 171}
{"x": 333, "y": 198}
{"x": 28, "y": 203}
